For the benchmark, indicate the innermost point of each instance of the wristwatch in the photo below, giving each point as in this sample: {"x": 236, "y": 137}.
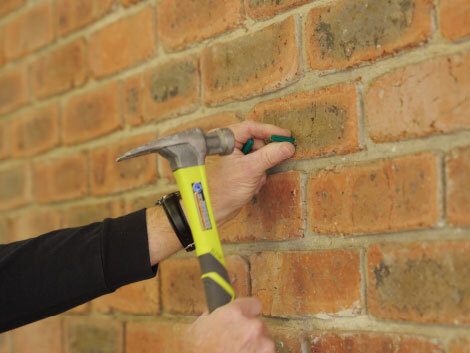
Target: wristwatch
{"x": 171, "y": 205}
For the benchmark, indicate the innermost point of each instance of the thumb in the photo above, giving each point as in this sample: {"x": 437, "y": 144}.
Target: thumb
{"x": 272, "y": 154}
{"x": 249, "y": 306}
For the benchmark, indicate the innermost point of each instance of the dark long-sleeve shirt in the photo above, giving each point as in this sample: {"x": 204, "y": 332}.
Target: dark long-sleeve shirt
{"x": 57, "y": 271}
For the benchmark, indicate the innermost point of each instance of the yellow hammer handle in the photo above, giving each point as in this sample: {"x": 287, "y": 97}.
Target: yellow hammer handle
{"x": 192, "y": 183}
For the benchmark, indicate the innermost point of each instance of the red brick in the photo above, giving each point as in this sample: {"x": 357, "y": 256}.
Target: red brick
{"x": 205, "y": 124}
{"x": 34, "y": 223}
{"x": 458, "y": 192}
{"x": 84, "y": 335}
{"x": 365, "y": 342}
{"x": 287, "y": 340}
{"x": 274, "y": 214}
{"x": 5, "y": 342}
{"x": 15, "y": 188}
{"x": 307, "y": 283}
{"x": 14, "y": 91}
{"x": 30, "y": 30}
{"x": 60, "y": 179}
{"x": 5, "y": 144}
{"x": 262, "y": 9}
{"x": 228, "y": 73}
{"x": 323, "y": 122}
{"x": 455, "y": 19}
{"x": 395, "y": 112}
{"x": 350, "y": 32}
{"x": 81, "y": 309}
{"x": 123, "y": 43}
{"x": 182, "y": 276}
{"x": 35, "y": 131}
{"x": 461, "y": 345}
{"x": 128, "y": 3}
{"x": 421, "y": 282}
{"x": 72, "y": 14}
{"x": 137, "y": 203}
{"x": 5, "y": 233}
{"x": 83, "y": 214}
{"x": 380, "y": 196}
{"x": 141, "y": 298}
{"x": 2, "y": 47}
{"x": 60, "y": 70}
{"x": 108, "y": 176}
{"x": 151, "y": 337}
{"x": 170, "y": 89}
{"x": 41, "y": 337}
{"x": 91, "y": 114}
{"x": 186, "y": 21}
{"x": 7, "y": 6}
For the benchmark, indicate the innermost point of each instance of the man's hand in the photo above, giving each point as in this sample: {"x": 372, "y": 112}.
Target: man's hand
{"x": 235, "y": 179}
{"x": 232, "y": 328}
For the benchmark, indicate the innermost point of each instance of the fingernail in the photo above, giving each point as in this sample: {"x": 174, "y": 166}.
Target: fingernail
{"x": 287, "y": 150}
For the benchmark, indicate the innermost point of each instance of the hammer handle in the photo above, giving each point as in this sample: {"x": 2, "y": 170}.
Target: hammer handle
{"x": 192, "y": 183}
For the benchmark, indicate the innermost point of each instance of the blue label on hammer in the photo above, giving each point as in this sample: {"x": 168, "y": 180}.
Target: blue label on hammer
{"x": 201, "y": 206}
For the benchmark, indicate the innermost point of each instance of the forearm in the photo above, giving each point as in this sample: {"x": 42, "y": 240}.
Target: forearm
{"x": 162, "y": 240}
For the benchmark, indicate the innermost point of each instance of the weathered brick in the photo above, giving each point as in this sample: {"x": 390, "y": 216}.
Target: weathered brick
{"x": 15, "y": 187}
{"x": 205, "y": 124}
{"x": 455, "y": 19}
{"x": 91, "y": 114}
{"x": 323, "y": 122}
{"x": 42, "y": 337}
{"x": 30, "y": 30}
{"x": 137, "y": 203}
{"x": 83, "y": 214}
{"x": 123, "y": 43}
{"x": 132, "y": 97}
{"x": 72, "y": 14}
{"x": 141, "y": 298}
{"x": 61, "y": 178}
{"x": 150, "y": 337}
{"x": 274, "y": 214}
{"x": 261, "y": 9}
{"x": 287, "y": 340}
{"x": 458, "y": 191}
{"x": 60, "y": 70}
{"x": 5, "y": 135}
{"x": 7, "y": 6}
{"x": 5, "y": 233}
{"x": 186, "y": 21}
{"x": 170, "y": 89}
{"x": 14, "y": 91}
{"x": 81, "y": 309}
{"x": 367, "y": 342}
{"x": 395, "y": 112}
{"x": 182, "y": 276}
{"x": 34, "y": 223}
{"x": 420, "y": 282}
{"x": 2, "y": 47}
{"x": 108, "y": 176}
{"x": 461, "y": 345}
{"x": 350, "y": 32}
{"x": 93, "y": 335}
{"x": 35, "y": 131}
{"x": 307, "y": 283}
{"x": 381, "y": 196}
{"x": 228, "y": 73}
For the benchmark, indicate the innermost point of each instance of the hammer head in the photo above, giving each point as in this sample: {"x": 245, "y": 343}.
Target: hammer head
{"x": 187, "y": 148}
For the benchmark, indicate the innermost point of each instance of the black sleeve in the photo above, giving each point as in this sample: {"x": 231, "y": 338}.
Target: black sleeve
{"x": 54, "y": 272}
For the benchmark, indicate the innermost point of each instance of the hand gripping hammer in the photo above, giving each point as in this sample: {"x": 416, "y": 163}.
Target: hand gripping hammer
{"x": 186, "y": 151}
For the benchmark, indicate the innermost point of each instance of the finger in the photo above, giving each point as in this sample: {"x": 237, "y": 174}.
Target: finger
{"x": 258, "y": 143}
{"x": 253, "y": 129}
{"x": 265, "y": 345}
{"x": 271, "y": 155}
{"x": 249, "y": 307}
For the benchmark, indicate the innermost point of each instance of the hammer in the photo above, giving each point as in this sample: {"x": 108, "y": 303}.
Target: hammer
{"x": 187, "y": 151}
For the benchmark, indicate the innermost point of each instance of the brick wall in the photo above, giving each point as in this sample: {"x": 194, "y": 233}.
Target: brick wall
{"x": 359, "y": 243}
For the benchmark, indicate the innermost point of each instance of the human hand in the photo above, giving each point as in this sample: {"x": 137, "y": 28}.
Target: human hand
{"x": 235, "y": 179}
{"x": 232, "y": 328}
